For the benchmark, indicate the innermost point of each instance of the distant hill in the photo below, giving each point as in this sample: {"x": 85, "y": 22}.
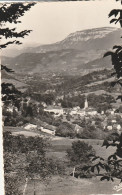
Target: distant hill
{"x": 79, "y": 51}
{"x": 99, "y": 63}
{"x": 96, "y": 82}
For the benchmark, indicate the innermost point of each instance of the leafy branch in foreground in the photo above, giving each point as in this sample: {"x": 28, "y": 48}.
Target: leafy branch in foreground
{"x": 6, "y": 69}
{"x": 111, "y": 167}
{"x": 14, "y": 162}
{"x": 11, "y": 13}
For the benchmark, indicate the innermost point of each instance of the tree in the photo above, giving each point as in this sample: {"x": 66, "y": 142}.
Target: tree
{"x": 112, "y": 166}
{"x": 79, "y": 156}
{"x": 9, "y": 92}
{"x": 79, "y": 152}
{"x": 10, "y": 13}
{"x": 25, "y": 158}
{"x": 65, "y": 130}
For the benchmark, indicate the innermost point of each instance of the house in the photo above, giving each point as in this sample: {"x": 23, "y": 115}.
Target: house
{"x": 58, "y": 111}
{"x": 73, "y": 112}
{"x": 47, "y": 126}
{"x": 77, "y": 111}
{"x": 78, "y": 129}
{"x": 61, "y": 97}
{"x": 77, "y": 108}
{"x": 30, "y": 126}
{"x": 92, "y": 112}
{"x": 118, "y": 127}
{"x": 109, "y": 128}
{"x": 48, "y": 131}
{"x": 113, "y": 121}
{"x": 44, "y": 104}
{"x": 81, "y": 113}
{"x": 112, "y": 112}
{"x": 102, "y": 112}
{"x": 59, "y": 104}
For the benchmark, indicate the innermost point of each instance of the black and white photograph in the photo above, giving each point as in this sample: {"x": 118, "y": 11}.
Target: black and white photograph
{"x": 61, "y": 97}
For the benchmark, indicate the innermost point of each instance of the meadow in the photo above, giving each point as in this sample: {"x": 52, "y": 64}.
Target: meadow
{"x": 66, "y": 184}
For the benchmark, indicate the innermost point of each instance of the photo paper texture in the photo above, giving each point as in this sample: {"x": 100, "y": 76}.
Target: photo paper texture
{"x": 61, "y": 121}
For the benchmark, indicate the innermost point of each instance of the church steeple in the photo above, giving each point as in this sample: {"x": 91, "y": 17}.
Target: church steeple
{"x": 86, "y": 103}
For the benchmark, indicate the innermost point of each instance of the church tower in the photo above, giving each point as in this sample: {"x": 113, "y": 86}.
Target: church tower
{"x": 86, "y": 104}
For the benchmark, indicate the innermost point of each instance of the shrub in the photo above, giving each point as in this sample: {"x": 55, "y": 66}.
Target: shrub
{"x": 78, "y": 154}
{"x": 65, "y": 130}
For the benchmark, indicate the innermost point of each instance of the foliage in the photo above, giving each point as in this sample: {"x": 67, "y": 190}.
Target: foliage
{"x": 23, "y": 144}
{"x": 38, "y": 96}
{"x": 9, "y": 92}
{"x": 115, "y": 13}
{"x": 25, "y": 157}
{"x": 79, "y": 152}
{"x": 78, "y": 157}
{"x": 11, "y": 13}
{"x": 12, "y": 184}
{"x": 112, "y": 166}
{"x": 119, "y": 109}
{"x": 114, "y": 161}
{"x": 6, "y": 69}
{"x": 86, "y": 129}
{"x": 88, "y": 133}
{"x": 65, "y": 130}
{"x": 99, "y": 102}
{"x": 66, "y": 103}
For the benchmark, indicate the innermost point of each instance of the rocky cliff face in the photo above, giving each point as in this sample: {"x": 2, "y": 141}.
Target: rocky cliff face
{"x": 98, "y": 38}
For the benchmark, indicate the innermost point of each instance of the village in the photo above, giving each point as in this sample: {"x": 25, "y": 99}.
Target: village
{"x": 110, "y": 120}
{"x": 65, "y": 122}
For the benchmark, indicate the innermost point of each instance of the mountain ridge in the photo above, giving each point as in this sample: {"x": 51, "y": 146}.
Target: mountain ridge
{"x": 78, "y": 51}
{"x": 52, "y": 46}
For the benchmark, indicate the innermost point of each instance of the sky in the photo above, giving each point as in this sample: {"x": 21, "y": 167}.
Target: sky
{"x": 53, "y": 21}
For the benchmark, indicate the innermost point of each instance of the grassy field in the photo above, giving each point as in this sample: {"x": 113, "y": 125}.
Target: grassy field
{"x": 67, "y": 185}
{"x": 60, "y": 145}
{"x": 72, "y": 186}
